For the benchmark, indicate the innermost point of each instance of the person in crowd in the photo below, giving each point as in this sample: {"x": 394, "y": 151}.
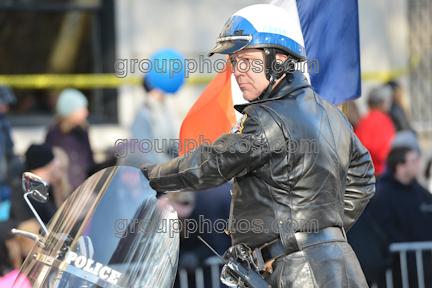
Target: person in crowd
{"x": 6, "y": 262}
{"x": 403, "y": 208}
{"x": 371, "y": 247}
{"x": 61, "y": 188}
{"x": 184, "y": 205}
{"x": 376, "y": 130}
{"x": 428, "y": 174}
{"x": 70, "y": 132}
{"x": 406, "y": 138}
{"x": 7, "y": 98}
{"x": 399, "y": 111}
{"x": 152, "y": 122}
{"x": 110, "y": 160}
{"x": 14, "y": 249}
{"x": 40, "y": 161}
{"x": 205, "y": 208}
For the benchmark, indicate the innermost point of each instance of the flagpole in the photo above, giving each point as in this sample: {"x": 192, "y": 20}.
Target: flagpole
{"x": 345, "y": 109}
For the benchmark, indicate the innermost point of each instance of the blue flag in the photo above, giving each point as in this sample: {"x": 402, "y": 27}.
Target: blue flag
{"x": 331, "y": 33}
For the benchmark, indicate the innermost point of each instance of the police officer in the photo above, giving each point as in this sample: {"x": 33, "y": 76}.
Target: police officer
{"x": 301, "y": 176}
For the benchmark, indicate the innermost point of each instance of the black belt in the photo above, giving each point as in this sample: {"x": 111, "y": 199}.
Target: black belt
{"x": 275, "y": 249}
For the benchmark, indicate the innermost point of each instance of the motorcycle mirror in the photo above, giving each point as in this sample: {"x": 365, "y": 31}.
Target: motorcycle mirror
{"x": 37, "y": 187}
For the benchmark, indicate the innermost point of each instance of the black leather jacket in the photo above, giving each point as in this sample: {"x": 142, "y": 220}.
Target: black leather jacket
{"x": 296, "y": 160}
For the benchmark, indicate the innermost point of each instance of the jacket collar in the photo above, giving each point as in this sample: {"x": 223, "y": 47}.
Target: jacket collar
{"x": 290, "y": 83}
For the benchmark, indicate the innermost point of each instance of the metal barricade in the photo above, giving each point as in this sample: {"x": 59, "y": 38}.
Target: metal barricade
{"x": 402, "y": 249}
{"x": 215, "y": 265}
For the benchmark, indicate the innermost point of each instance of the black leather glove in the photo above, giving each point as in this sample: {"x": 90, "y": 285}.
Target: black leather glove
{"x": 146, "y": 169}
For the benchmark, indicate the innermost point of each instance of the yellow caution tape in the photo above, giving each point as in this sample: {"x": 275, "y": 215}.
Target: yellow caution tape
{"x": 386, "y": 76}
{"x": 54, "y": 81}
{"x": 81, "y": 81}
{"x": 91, "y": 81}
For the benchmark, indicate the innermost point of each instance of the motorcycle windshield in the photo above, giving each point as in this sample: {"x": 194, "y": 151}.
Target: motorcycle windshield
{"x": 111, "y": 232}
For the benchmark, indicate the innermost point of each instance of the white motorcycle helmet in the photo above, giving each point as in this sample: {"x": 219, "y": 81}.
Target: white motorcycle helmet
{"x": 267, "y": 27}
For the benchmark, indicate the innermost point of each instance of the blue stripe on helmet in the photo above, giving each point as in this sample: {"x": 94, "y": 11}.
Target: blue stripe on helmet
{"x": 240, "y": 23}
{"x": 272, "y": 38}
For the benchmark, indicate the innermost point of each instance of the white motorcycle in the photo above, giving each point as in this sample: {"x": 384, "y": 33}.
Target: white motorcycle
{"x": 112, "y": 232}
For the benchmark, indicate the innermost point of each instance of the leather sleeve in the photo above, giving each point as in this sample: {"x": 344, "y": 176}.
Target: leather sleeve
{"x": 360, "y": 186}
{"x": 213, "y": 164}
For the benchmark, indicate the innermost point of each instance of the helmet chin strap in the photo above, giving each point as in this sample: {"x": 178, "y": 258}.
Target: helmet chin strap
{"x": 271, "y": 74}
{"x": 266, "y": 92}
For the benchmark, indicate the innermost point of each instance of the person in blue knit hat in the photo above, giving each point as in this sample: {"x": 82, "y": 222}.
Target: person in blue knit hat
{"x": 70, "y": 132}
